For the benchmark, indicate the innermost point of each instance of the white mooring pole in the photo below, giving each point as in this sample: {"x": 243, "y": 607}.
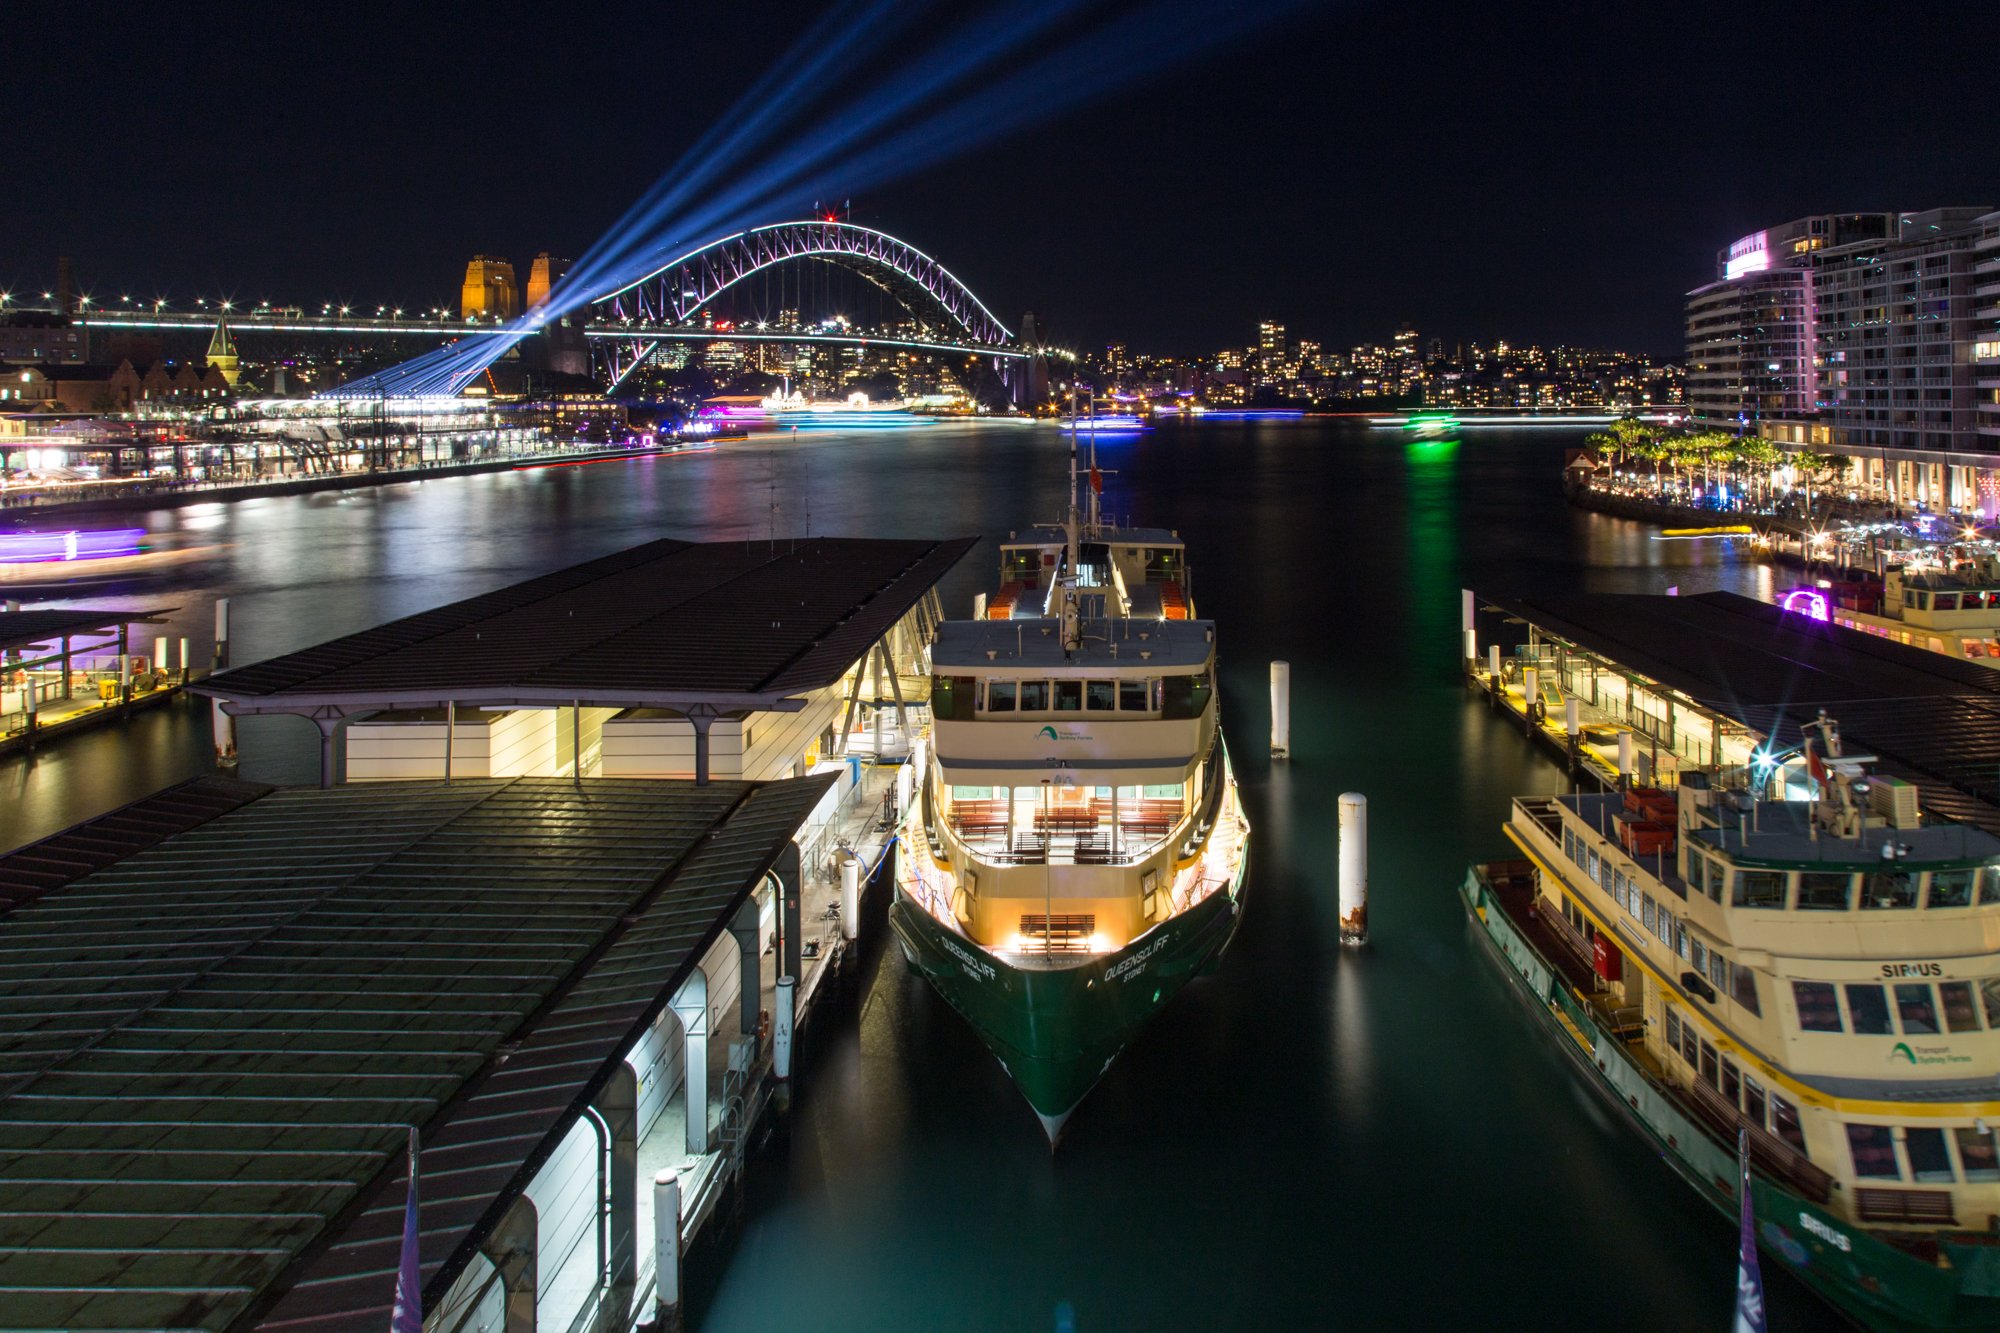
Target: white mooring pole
{"x": 221, "y": 634}
{"x": 1573, "y": 717}
{"x": 1624, "y": 759}
{"x": 850, "y": 896}
{"x": 160, "y": 646}
{"x": 781, "y": 1030}
{"x": 979, "y": 606}
{"x": 1468, "y": 611}
{"x": 1281, "y": 709}
{"x": 1353, "y": 868}
{"x": 667, "y": 1248}
{"x": 1493, "y": 663}
{"x": 186, "y": 672}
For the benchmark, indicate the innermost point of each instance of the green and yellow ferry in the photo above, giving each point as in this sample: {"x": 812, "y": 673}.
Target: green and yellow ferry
{"x": 1822, "y": 973}
{"x": 1077, "y": 851}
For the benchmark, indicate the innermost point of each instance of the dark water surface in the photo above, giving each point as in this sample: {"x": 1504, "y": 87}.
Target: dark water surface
{"x": 1308, "y": 1139}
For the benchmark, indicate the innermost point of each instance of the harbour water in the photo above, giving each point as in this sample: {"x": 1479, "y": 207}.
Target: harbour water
{"x": 1309, "y": 1138}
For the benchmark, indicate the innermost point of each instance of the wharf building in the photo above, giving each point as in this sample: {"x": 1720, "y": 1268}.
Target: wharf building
{"x": 587, "y": 826}
{"x": 1875, "y": 336}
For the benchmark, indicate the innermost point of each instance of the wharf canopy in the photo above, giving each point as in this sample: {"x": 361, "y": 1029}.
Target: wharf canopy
{"x": 667, "y": 659}
{"x": 223, "y": 1008}
{"x": 1727, "y": 677}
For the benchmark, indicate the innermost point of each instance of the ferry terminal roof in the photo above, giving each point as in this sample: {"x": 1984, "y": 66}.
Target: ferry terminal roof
{"x": 1120, "y": 643}
{"x": 739, "y": 623}
{"x": 1931, "y": 719}
{"x": 18, "y": 629}
{"x": 222, "y": 1007}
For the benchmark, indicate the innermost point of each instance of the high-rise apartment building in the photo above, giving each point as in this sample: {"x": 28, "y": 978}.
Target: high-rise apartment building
{"x": 1751, "y": 334}
{"x": 1271, "y": 342}
{"x": 1985, "y": 356}
{"x": 1895, "y": 337}
{"x": 489, "y": 289}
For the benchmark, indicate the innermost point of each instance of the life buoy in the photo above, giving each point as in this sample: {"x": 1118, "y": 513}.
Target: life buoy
{"x": 1538, "y": 712}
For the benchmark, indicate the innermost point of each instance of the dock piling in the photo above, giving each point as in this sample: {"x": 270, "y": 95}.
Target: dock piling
{"x": 667, "y": 1249}
{"x": 1624, "y": 760}
{"x": 224, "y": 728}
{"x": 850, "y": 896}
{"x": 1353, "y": 868}
{"x": 781, "y": 1029}
{"x": 221, "y": 634}
{"x": 1281, "y": 710}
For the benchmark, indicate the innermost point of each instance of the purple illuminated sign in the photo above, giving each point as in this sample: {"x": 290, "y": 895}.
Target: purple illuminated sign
{"x": 1808, "y": 602}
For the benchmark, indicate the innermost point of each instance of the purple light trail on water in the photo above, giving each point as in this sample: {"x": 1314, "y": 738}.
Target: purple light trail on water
{"x": 39, "y": 547}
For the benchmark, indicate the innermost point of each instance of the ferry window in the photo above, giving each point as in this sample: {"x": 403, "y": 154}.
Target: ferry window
{"x": 1688, "y": 1043}
{"x": 1569, "y": 844}
{"x": 1889, "y": 889}
{"x": 1978, "y": 1156}
{"x": 1732, "y": 1083}
{"x": 959, "y": 794}
{"x": 1785, "y": 1123}
{"x": 1034, "y": 696}
{"x": 1989, "y": 885}
{"x": 1944, "y": 601}
{"x": 1743, "y": 985}
{"x": 1874, "y": 1151}
{"x": 1930, "y": 1163}
{"x": 1917, "y": 1010}
{"x": 1868, "y": 1010}
{"x": 1591, "y": 869}
{"x": 1000, "y": 696}
{"x": 1819, "y": 1010}
{"x": 1069, "y": 696}
{"x": 1718, "y": 970}
{"x": 1162, "y": 791}
{"x": 1698, "y": 955}
{"x": 953, "y": 698}
{"x": 1822, "y": 892}
{"x": 1759, "y": 888}
{"x": 1683, "y": 942}
{"x": 1100, "y": 696}
{"x": 1652, "y": 921}
{"x": 1959, "y": 1015}
{"x": 1952, "y": 888}
{"x": 1707, "y": 1066}
{"x": 1132, "y": 696}
{"x": 1989, "y": 995}
{"x": 1753, "y": 1100}
{"x": 1673, "y": 1029}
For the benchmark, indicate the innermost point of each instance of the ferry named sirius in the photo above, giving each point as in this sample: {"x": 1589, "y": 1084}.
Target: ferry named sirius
{"x": 1816, "y": 978}
{"x": 1077, "y": 851}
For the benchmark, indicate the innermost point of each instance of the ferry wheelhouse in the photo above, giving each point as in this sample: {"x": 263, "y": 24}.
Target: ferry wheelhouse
{"x": 1824, "y": 974}
{"x": 1955, "y": 612}
{"x": 1077, "y": 850}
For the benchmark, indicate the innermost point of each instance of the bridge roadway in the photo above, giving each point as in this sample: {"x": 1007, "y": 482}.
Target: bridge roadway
{"x": 616, "y": 330}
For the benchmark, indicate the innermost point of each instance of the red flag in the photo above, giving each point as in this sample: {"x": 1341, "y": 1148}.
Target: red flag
{"x": 1096, "y": 481}
{"x": 1816, "y": 768}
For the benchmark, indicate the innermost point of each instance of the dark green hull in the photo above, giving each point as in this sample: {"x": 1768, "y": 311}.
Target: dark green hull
{"x": 1873, "y": 1283}
{"x": 1057, "y": 1030}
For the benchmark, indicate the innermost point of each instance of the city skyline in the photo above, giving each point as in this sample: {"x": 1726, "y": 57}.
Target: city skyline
{"x": 1412, "y": 184}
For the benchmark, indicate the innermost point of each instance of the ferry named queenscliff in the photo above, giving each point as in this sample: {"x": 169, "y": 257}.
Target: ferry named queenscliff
{"x": 1823, "y": 974}
{"x": 1077, "y": 852}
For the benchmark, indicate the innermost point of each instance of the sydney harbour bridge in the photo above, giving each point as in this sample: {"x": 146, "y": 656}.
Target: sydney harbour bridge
{"x": 801, "y": 283}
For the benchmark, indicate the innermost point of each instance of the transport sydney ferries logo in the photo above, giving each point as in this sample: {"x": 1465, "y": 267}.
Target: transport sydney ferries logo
{"x": 1904, "y": 1053}
{"x": 1052, "y": 733}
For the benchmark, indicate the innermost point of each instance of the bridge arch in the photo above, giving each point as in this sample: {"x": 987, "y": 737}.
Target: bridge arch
{"x": 676, "y": 291}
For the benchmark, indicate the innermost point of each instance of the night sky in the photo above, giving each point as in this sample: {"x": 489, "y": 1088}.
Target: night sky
{"x": 1544, "y": 172}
